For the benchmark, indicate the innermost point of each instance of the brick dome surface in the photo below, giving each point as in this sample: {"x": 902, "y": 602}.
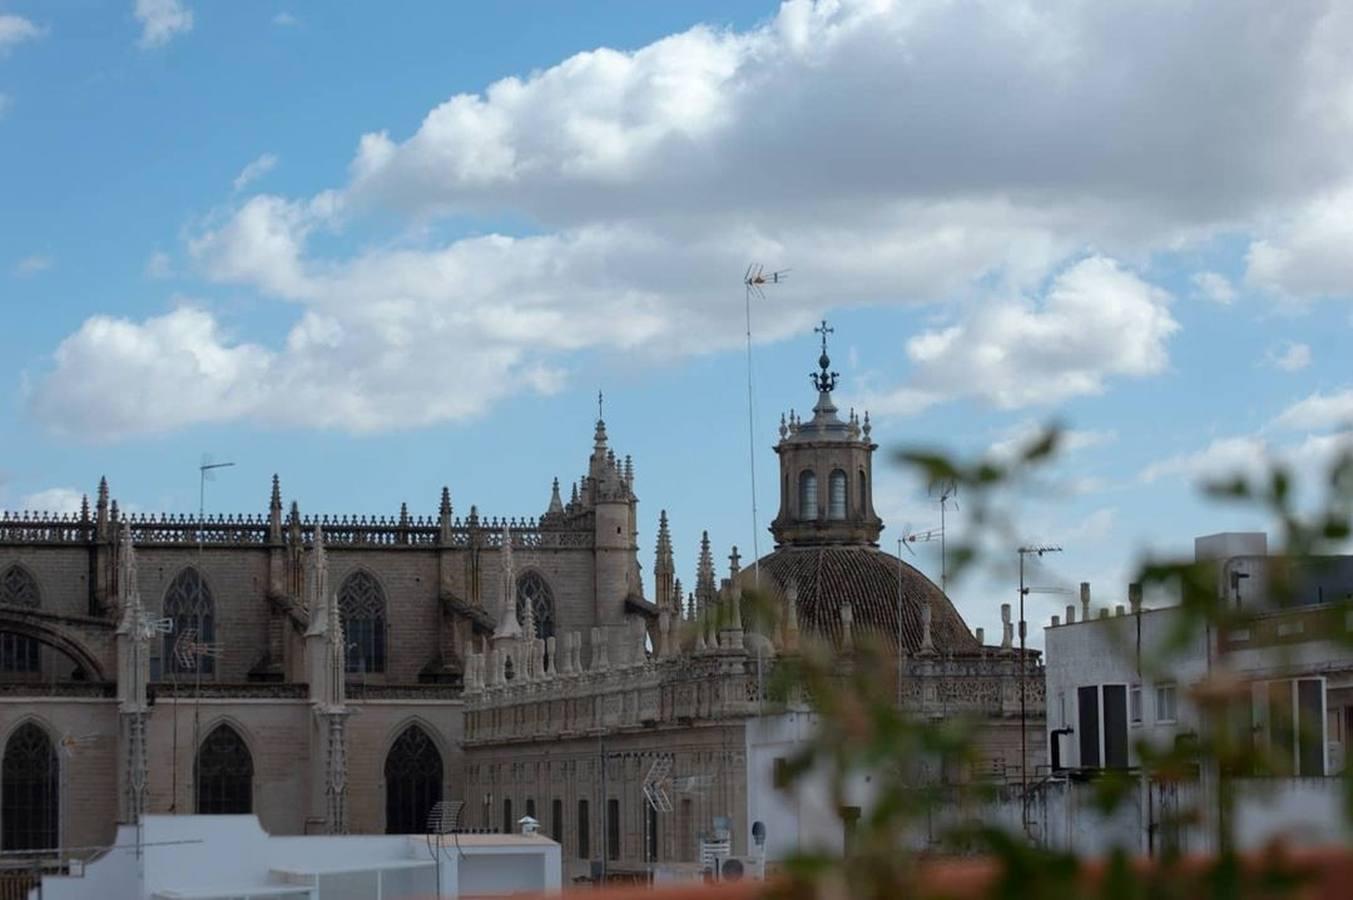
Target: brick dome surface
{"x": 868, "y": 578}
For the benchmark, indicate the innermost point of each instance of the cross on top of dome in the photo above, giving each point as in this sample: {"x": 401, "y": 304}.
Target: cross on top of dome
{"x": 824, "y": 381}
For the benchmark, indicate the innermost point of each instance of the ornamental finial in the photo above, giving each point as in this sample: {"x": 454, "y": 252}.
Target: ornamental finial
{"x": 824, "y": 381}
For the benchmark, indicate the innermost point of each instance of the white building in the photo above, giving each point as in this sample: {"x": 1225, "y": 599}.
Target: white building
{"x": 1123, "y": 679}
{"x": 233, "y": 857}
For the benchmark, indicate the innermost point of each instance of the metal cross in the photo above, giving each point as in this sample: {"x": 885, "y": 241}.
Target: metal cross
{"x": 824, "y": 330}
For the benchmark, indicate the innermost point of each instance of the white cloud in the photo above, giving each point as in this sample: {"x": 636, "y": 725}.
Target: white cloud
{"x": 1250, "y": 455}
{"x": 255, "y": 170}
{"x": 162, "y": 20}
{"x": 60, "y": 500}
{"x": 1307, "y": 254}
{"x": 32, "y": 265}
{"x": 1215, "y": 287}
{"x": 159, "y": 265}
{"x": 15, "y": 30}
{"x": 855, "y": 141}
{"x": 1290, "y": 356}
{"x": 285, "y": 19}
{"x": 1022, "y": 434}
{"x": 1319, "y": 412}
{"x": 1096, "y": 321}
{"x": 114, "y": 377}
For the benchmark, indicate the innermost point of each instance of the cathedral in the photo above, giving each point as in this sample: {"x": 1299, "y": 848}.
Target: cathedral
{"x": 345, "y": 675}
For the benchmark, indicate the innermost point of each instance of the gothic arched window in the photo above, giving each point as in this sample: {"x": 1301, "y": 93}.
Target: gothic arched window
{"x": 533, "y": 589}
{"x": 29, "y": 791}
{"x": 225, "y": 774}
{"x": 836, "y": 494}
{"x": 19, "y": 588}
{"x": 188, "y": 603}
{"x": 361, "y": 603}
{"x": 19, "y": 653}
{"x": 413, "y": 782}
{"x": 807, "y": 494}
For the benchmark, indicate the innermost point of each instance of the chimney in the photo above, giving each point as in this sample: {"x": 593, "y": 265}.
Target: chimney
{"x": 1135, "y": 596}
{"x": 1119, "y": 610}
{"x": 1070, "y": 614}
{"x": 1085, "y": 600}
{"x": 1056, "y": 620}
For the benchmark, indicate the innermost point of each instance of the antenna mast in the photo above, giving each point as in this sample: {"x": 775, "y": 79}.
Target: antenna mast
{"x": 754, "y": 281}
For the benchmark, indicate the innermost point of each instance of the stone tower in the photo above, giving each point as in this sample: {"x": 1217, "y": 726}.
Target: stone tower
{"x": 826, "y": 472}
{"x": 610, "y": 491}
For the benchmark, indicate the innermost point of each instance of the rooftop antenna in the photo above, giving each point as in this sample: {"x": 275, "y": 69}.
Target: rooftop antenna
{"x": 1026, "y": 550}
{"x": 206, "y": 472}
{"x": 754, "y": 281}
{"x": 947, "y": 489}
{"x": 188, "y": 654}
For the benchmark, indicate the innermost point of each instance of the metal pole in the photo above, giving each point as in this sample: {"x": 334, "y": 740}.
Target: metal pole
{"x": 751, "y": 443}
{"x": 1023, "y": 746}
{"x": 899, "y": 623}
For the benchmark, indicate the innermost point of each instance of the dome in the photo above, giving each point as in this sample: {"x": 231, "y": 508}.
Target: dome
{"x": 828, "y": 576}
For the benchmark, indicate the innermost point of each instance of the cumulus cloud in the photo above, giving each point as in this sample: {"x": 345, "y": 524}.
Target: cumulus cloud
{"x": 1290, "y": 356}
{"x": 162, "y": 21}
{"x": 32, "y": 265}
{"x": 854, "y": 141}
{"x": 1319, "y": 412}
{"x": 113, "y": 377}
{"x": 1096, "y": 321}
{"x": 1215, "y": 287}
{"x": 60, "y": 500}
{"x": 255, "y": 170}
{"x": 1326, "y": 421}
{"x": 15, "y": 30}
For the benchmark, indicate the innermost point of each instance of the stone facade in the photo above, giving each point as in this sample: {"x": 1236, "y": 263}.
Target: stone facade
{"x": 344, "y": 674}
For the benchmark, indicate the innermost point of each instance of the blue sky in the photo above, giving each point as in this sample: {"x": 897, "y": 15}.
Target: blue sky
{"x": 380, "y": 249}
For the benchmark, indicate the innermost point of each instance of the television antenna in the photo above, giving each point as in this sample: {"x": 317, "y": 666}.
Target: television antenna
{"x": 754, "y": 281}
{"x": 188, "y": 654}
{"x": 206, "y": 471}
{"x": 1038, "y": 550}
{"x": 444, "y": 818}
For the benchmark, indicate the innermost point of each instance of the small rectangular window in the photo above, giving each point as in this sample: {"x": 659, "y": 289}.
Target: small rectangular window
{"x": 584, "y": 831}
{"x": 1087, "y": 703}
{"x": 780, "y": 773}
{"x": 613, "y": 829}
{"x": 1115, "y": 726}
{"x": 1166, "y": 703}
{"x": 557, "y": 821}
{"x": 1135, "y": 704}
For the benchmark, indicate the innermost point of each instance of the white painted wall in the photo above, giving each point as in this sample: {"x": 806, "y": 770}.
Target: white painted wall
{"x": 232, "y": 855}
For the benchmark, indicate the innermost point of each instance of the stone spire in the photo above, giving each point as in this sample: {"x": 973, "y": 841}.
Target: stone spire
{"x": 704, "y": 591}
{"x": 556, "y": 502}
{"x": 275, "y": 512}
{"x": 101, "y": 510}
{"x": 508, "y": 627}
{"x": 734, "y": 625}
{"x": 444, "y": 516}
{"x": 133, "y": 638}
{"x": 663, "y": 566}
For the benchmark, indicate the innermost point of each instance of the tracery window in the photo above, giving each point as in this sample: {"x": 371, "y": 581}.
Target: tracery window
{"x": 225, "y": 774}
{"x": 533, "y": 589}
{"x": 29, "y": 791}
{"x": 18, "y": 652}
{"x": 413, "y": 782}
{"x": 188, "y": 603}
{"x": 18, "y": 587}
{"x": 361, "y": 603}
{"x": 836, "y": 494}
{"x": 807, "y": 494}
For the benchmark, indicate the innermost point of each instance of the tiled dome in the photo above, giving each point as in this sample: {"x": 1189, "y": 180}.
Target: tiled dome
{"x": 868, "y": 578}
